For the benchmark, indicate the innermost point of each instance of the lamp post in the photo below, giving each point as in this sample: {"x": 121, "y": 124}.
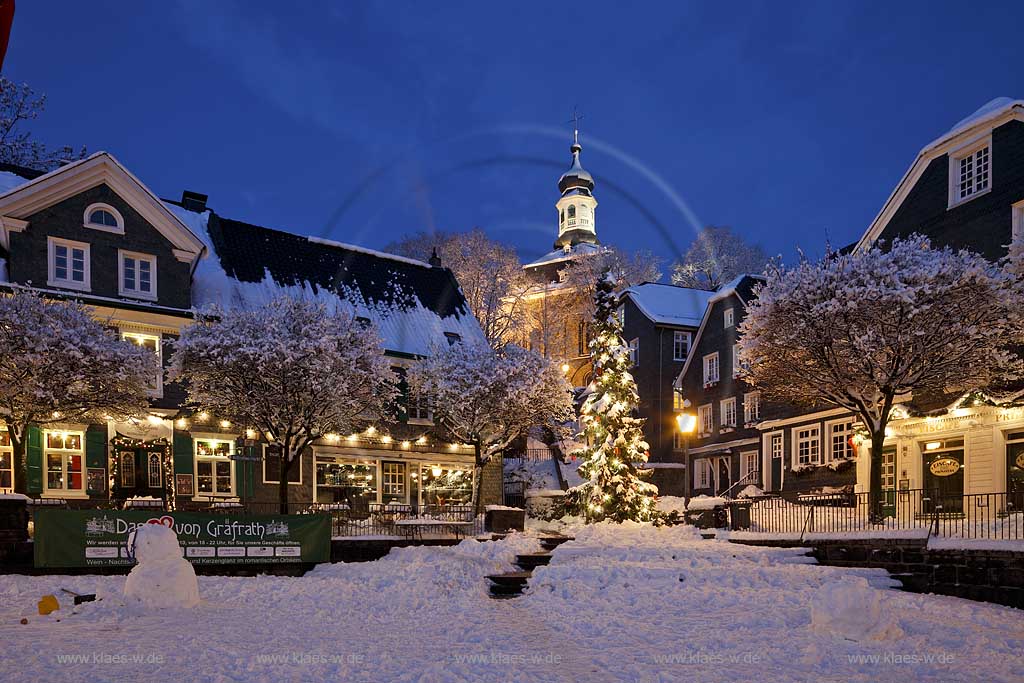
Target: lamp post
{"x": 687, "y": 424}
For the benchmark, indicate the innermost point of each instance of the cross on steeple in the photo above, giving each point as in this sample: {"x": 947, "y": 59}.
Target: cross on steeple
{"x": 575, "y": 121}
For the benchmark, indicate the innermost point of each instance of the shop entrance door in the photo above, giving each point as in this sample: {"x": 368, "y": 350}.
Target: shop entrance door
{"x": 1015, "y": 472}
{"x": 944, "y": 475}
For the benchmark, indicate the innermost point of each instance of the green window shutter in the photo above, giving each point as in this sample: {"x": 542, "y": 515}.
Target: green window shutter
{"x": 245, "y": 472}
{"x": 34, "y": 460}
{"x": 182, "y": 452}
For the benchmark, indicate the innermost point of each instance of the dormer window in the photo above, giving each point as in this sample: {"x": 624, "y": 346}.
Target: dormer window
{"x": 970, "y": 172}
{"x": 104, "y": 217}
{"x": 452, "y": 338}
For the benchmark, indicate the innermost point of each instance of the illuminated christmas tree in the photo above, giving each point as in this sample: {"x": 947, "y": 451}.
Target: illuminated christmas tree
{"x": 614, "y": 488}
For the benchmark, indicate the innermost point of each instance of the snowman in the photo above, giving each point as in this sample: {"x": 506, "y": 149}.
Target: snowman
{"x": 162, "y": 577}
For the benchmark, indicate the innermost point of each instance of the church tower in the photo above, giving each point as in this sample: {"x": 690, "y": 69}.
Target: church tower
{"x": 576, "y": 207}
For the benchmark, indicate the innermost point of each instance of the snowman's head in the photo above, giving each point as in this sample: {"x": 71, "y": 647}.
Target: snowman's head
{"x": 155, "y": 542}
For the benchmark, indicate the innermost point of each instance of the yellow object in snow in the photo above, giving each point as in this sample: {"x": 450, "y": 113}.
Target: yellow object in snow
{"x": 48, "y": 604}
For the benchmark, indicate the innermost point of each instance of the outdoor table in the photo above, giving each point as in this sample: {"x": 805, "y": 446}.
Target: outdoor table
{"x": 418, "y": 525}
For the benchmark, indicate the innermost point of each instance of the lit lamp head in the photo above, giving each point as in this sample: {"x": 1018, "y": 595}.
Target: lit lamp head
{"x": 565, "y": 368}
{"x": 687, "y": 423}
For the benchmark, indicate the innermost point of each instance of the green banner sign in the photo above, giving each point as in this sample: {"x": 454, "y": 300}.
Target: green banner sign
{"x": 99, "y": 538}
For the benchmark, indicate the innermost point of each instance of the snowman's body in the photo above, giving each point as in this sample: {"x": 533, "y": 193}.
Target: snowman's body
{"x": 162, "y": 577}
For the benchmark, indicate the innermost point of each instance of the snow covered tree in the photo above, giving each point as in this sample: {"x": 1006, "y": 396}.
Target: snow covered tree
{"x": 614, "y": 488}
{"x": 860, "y": 330}
{"x": 294, "y": 370}
{"x": 19, "y": 103}
{"x": 59, "y": 364}
{"x": 488, "y": 398}
{"x": 488, "y": 272}
{"x": 717, "y": 256}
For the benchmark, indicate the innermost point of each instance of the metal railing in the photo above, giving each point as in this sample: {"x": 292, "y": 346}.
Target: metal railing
{"x": 751, "y": 477}
{"x": 528, "y": 455}
{"x": 514, "y": 494}
{"x": 910, "y": 514}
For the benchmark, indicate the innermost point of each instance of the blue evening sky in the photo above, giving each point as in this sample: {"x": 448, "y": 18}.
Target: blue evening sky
{"x": 361, "y": 121}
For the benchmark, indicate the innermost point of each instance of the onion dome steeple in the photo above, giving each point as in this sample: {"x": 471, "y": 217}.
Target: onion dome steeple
{"x": 577, "y": 205}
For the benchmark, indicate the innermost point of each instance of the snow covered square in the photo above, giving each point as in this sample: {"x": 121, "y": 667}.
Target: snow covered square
{"x": 620, "y": 603}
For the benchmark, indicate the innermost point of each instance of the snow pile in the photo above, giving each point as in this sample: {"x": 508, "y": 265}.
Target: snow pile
{"x": 670, "y": 504}
{"x": 750, "y": 491}
{"x": 852, "y": 609}
{"x": 706, "y": 502}
{"x": 162, "y": 578}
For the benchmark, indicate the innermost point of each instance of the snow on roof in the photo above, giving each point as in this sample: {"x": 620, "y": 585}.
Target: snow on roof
{"x": 561, "y": 255}
{"x": 990, "y": 110}
{"x": 395, "y": 306}
{"x": 9, "y": 181}
{"x": 365, "y": 250}
{"x": 731, "y": 287}
{"x": 669, "y": 304}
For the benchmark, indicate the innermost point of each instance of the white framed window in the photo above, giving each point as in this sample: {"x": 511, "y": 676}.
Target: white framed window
{"x": 806, "y": 445}
{"x": 749, "y": 463}
{"x": 1017, "y": 221}
{"x": 136, "y": 275}
{"x": 392, "y": 482}
{"x": 711, "y": 368}
{"x": 154, "y": 343}
{"x": 154, "y": 470}
{"x": 729, "y": 317}
{"x": 706, "y": 419}
{"x": 103, "y": 217}
{"x": 64, "y": 459}
{"x": 680, "y": 345}
{"x": 634, "y": 351}
{"x": 970, "y": 171}
{"x": 68, "y": 264}
{"x": 751, "y": 407}
{"x": 6, "y": 462}
{"x": 419, "y": 409}
{"x": 729, "y": 412}
{"x": 838, "y": 434}
{"x": 678, "y": 402}
{"x": 214, "y": 468}
{"x": 677, "y": 441}
{"x": 701, "y": 473}
{"x": 126, "y": 466}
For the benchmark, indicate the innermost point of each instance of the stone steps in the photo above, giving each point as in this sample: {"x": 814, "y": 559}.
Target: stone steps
{"x": 512, "y": 584}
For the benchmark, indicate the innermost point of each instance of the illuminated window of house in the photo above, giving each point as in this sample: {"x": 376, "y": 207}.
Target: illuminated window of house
{"x": 214, "y": 467}
{"x": 64, "y": 459}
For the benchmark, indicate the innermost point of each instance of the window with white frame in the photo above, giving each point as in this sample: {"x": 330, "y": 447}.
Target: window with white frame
{"x": 751, "y": 407}
{"x": 64, "y": 457}
{"x": 215, "y": 470}
{"x": 749, "y": 463}
{"x": 419, "y": 408}
{"x": 272, "y": 466}
{"x": 68, "y": 264}
{"x": 711, "y": 368}
{"x": 392, "y": 482}
{"x": 701, "y": 473}
{"x": 154, "y": 470}
{"x": 680, "y": 345}
{"x": 153, "y": 343}
{"x": 807, "y": 445}
{"x": 677, "y": 441}
{"x": 634, "y": 351}
{"x": 103, "y": 217}
{"x": 729, "y": 317}
{"x": 6, "y": 462}
{"x": 729, "y": 412}
{"x": 136, "y": 275}
{"x": 776, "y": 446}
{"x": 839, "y": 434}
{"x": 970, "y": 172}
{"x": 126, "y": 466}
{"x": 706, "y": 419}
{"x": 678, "y": 402}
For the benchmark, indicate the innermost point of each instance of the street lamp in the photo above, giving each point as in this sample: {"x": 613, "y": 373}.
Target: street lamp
{"x": 687, "y": 425}
{"x": 565, "y": 368}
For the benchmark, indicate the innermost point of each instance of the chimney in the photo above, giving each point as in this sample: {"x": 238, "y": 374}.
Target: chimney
{"x": 193, "y": 201}
{"x": 434, "y": 259}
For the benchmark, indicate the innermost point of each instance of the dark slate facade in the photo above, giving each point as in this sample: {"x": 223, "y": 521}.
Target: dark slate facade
{"x": 981, "y": 224}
